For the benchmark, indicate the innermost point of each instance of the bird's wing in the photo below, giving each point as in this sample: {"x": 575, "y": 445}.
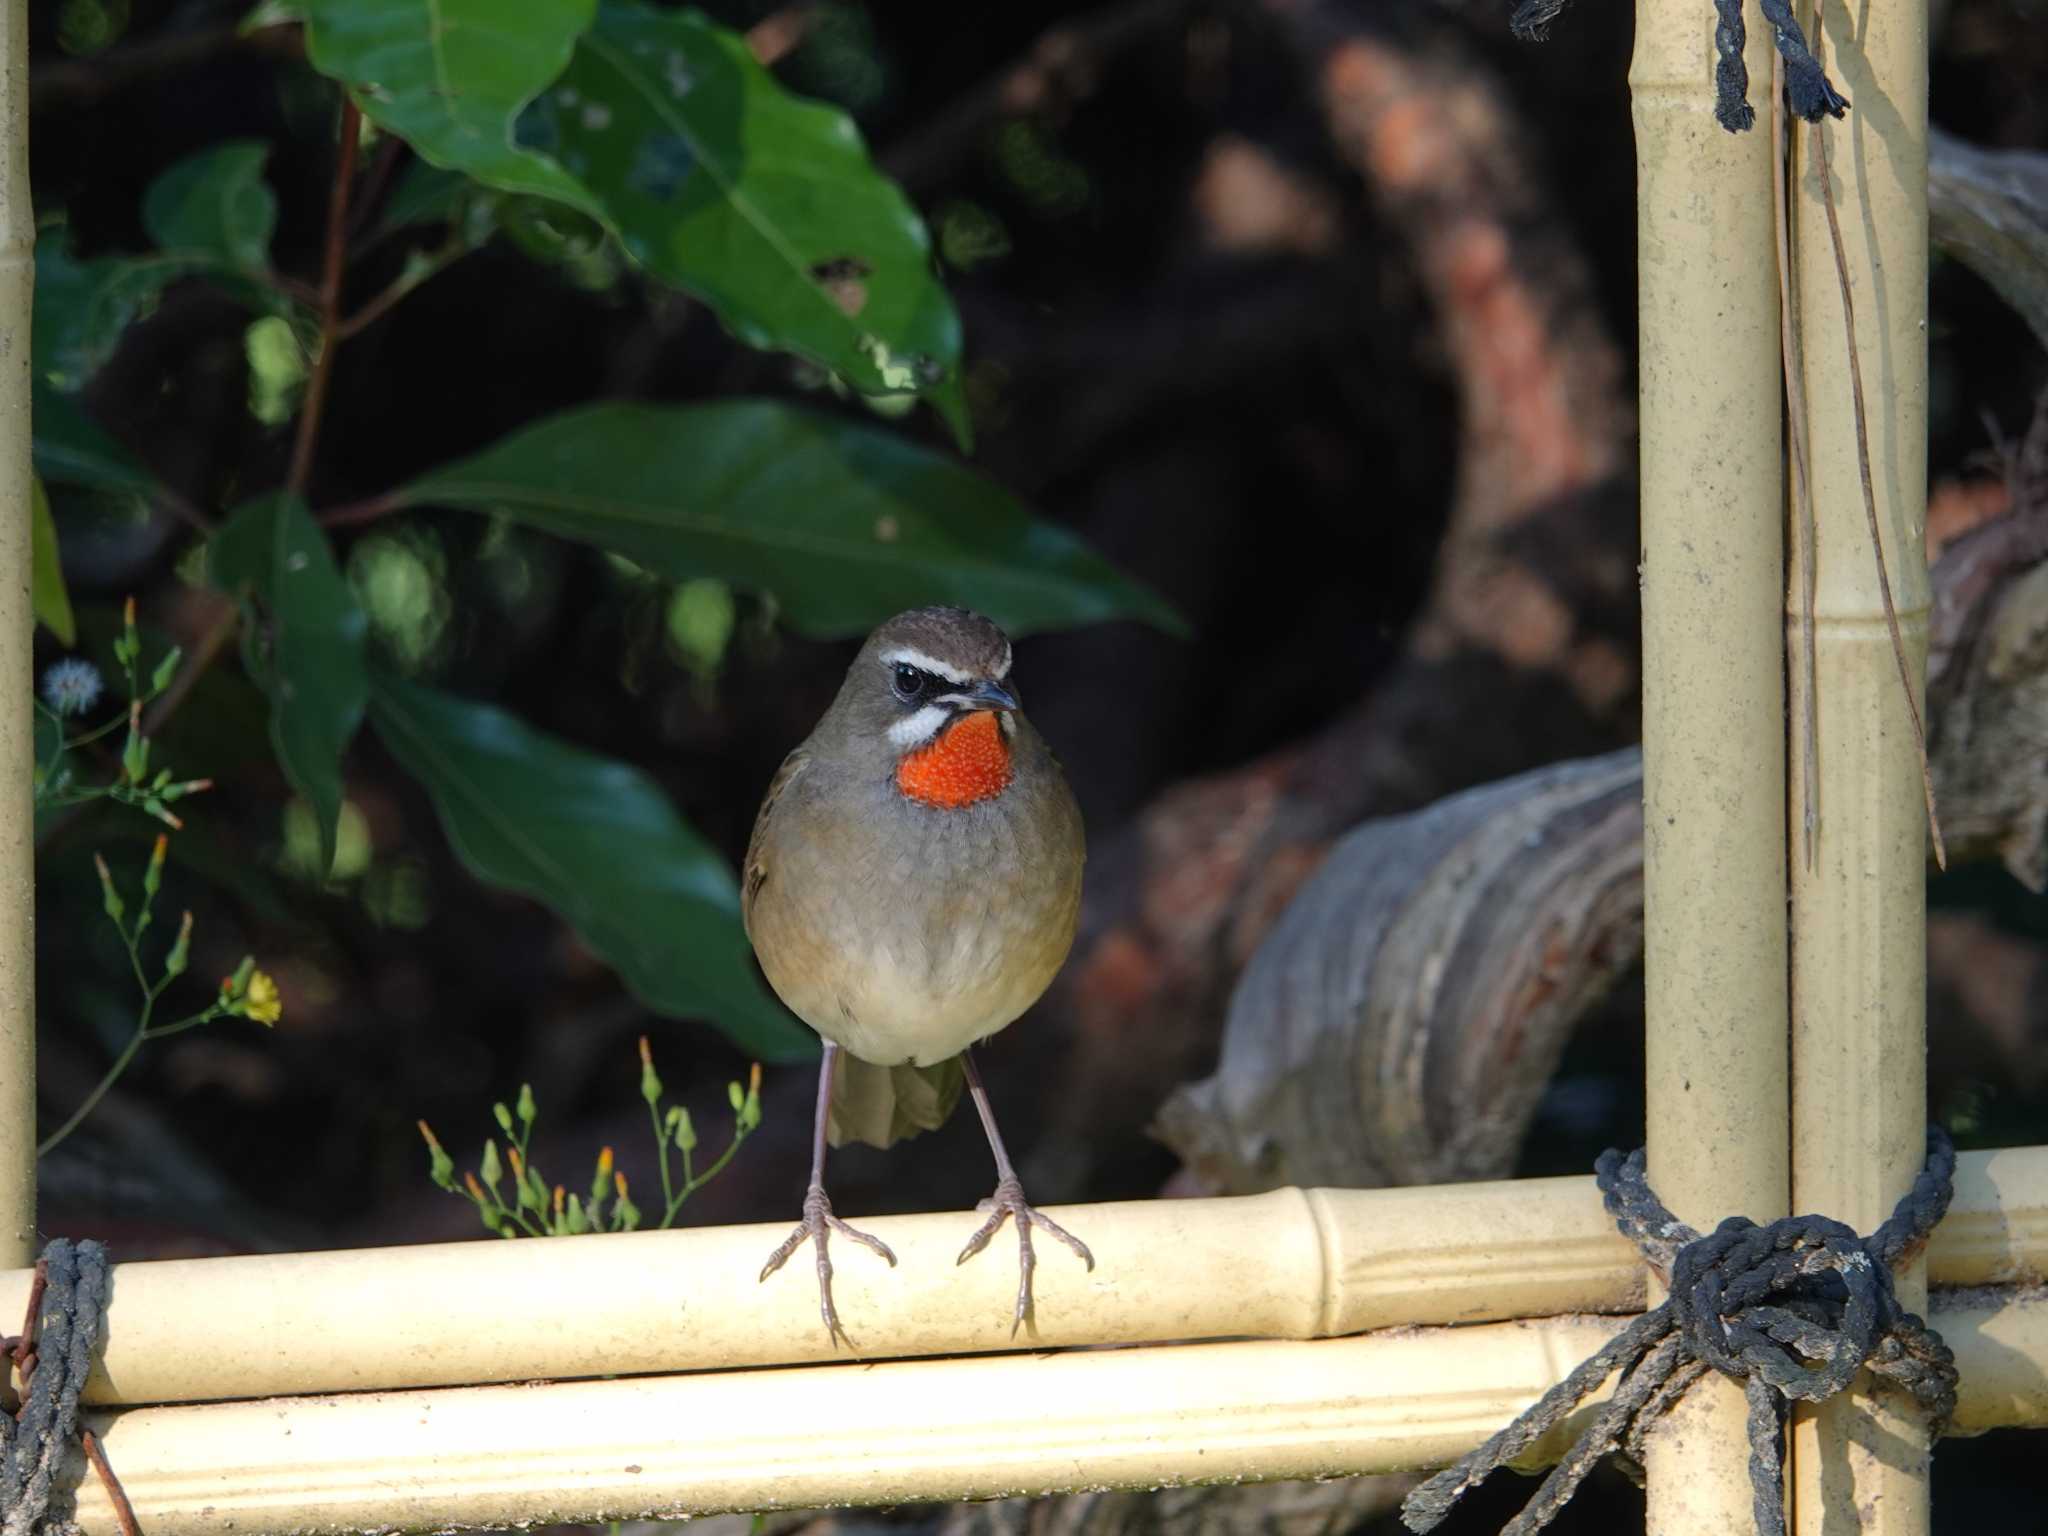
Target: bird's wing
{"x": 754, "y": 872}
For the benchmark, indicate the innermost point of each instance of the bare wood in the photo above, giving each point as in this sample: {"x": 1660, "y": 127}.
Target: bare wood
{"x": 1988, "y": 208}
{"x": 1399, "y": 1023}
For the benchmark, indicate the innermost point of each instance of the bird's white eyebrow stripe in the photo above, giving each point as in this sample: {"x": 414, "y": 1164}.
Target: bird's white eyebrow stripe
{"x": 915, "y": 729}
{"x": 904, "y": 655}
{"x": 1003, "y": 667}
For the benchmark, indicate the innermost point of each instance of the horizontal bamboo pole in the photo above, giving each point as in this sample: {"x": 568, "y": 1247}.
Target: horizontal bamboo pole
{"x": 907, "y": 1430}
{"x": 1291, "y": 1264}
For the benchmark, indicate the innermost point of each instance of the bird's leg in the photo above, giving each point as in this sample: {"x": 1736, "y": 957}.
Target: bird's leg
{"x": 818, "y": 1222}
{"x": 1008, "y": 1200}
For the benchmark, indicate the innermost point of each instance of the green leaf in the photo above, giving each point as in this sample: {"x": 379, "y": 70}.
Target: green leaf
{"x": 450, "y": 76}
{"x": 764, "y": 204}
{"x": 316, "y": 677}
{"x": 215, "y": 206}
{"x": 72, "y": 449}
{"x": 82, "y": 307}
{"x": 844, "y": 524}
{"x": 598, "y": 843}
{"x": 52, "y": 604}
{"x": 425, "y": 194}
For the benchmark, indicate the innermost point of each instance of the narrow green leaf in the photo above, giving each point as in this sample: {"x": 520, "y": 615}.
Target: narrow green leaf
{"x": 596, "y": 842}
{"x": 450, "y": 76}
{"x": 215, "y": 205}
{"x": 72, "y": 449}
{"x": 52, "y": 604}
{"x": 762, "y": 203}
{"x": 316, "y": 678}
{"x": 843, "y": 523}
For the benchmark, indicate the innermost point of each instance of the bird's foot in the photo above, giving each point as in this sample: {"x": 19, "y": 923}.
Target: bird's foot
{"x": 1009, "y": 1201}
{"x": 817, "y": 1225}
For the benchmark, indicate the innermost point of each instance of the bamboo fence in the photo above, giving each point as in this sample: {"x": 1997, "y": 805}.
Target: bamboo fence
{"x": 1304, "y": 1333}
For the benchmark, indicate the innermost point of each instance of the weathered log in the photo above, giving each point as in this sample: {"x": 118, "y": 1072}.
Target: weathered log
{"x": 1400, "y": 1024}
{"x": 1988, "y": 208}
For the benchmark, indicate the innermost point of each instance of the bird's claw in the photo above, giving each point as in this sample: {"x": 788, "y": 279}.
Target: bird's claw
{"x": 1009, "y": 1201}
{"x": 816, "y": 1225}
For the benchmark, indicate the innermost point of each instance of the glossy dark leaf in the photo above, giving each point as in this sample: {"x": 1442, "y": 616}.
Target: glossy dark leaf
{"x": 215, "y": 206}
{"x": 72, "y": 449}
{"x": 595, "y": 841}
{"x": 842, "y": 523}
{"x": 314, "y": 671}
{"x": 764, "y": 204}
{"x": 450, "y": 76}
{"x": 48, "y": 597}
{"x": 82, "y": 307}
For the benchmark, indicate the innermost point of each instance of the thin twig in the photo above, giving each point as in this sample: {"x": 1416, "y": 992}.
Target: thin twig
{"x": 197, "y": 660}
{"x": 360, "y": 511}
{"x": 413, "y": 277}
{"x": 1795, "y": 415}
{"x": 1884, "y": 580}
{"x": 333, "y": 269}
{"x": 124, "y": 1513}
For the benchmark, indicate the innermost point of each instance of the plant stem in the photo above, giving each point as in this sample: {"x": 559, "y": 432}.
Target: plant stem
{"x": 661, "y": 1142}
{"x": 197, "y": 660}
{"x": 360, "y": 511}
{"x": 692, "y": 1185}
{"x": 333, "y": 269}
{"x": 400, "y": 286}
{"x": 99, "y": 1091}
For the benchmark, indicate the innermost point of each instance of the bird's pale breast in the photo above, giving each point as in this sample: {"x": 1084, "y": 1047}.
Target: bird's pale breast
{"x": 906, "y": 932}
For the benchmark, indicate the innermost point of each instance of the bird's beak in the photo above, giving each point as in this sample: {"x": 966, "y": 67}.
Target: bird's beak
{"x": 983, "y": 695}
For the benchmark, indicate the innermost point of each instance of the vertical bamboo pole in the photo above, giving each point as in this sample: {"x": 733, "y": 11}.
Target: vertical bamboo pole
{"x": 1713, "y": 695}
{"x": 17, "y": 735}
{"x": 1859, "y": 1069}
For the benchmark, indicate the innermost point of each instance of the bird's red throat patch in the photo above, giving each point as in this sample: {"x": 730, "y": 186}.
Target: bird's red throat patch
{"x": 969, "y": 763}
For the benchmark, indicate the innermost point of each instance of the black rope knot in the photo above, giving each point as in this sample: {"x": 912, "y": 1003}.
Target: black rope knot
{"x": 1808, "y": 91}
{"x": 1792, "y": 1309}
{"x": 54, "y": 1354}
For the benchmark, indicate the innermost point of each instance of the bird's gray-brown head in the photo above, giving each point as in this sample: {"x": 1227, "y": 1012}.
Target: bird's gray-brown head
{"x": 930, "y": 697}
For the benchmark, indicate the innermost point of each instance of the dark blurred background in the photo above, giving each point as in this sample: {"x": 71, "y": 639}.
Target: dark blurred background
{"x": 1206, "y": 330}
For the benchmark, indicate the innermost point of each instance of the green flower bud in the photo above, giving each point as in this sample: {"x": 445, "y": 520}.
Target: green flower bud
{"x": 503, "y": 1117}
{"x": 153, "y": 875}
{"x": 685, "y": 1132}
{"x": 166, "y": 669}
{"x": 490, "y": 1168}
{"x": 736, "y": 1096}
{"x": 440, "y": 1166}
{"x": 181, "y": 949}
{"x": 650, "y": 1083}
{"x": 527, "y": 1108}
{"x": 135, "y": 755}
{"x": 110, "y": 898}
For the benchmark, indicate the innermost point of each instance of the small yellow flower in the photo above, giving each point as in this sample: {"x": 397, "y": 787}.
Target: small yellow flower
{"x": 261, "y": 1002}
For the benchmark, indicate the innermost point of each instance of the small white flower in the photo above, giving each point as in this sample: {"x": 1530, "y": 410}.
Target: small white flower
{"x": 71, "y": 686}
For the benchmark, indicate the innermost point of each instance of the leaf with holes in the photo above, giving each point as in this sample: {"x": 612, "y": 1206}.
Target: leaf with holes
{"x": 215, "y": 206}
{"x": 314, "y": 673}
{"x": 762, "y": 203}
{"x": 843, "y": 524}
{"x": 450, "y": 77}
{"x": 595, "y": 841}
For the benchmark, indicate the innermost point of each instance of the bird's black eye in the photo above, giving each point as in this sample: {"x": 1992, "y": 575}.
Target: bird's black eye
{"x": 909, "y": 682}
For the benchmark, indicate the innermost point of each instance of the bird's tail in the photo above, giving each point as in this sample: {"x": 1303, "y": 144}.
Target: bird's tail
{"x": 884, "y": 1105}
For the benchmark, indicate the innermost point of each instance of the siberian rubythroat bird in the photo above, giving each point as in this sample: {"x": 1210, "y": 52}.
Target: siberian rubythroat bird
{"x": 912, "y": 885}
